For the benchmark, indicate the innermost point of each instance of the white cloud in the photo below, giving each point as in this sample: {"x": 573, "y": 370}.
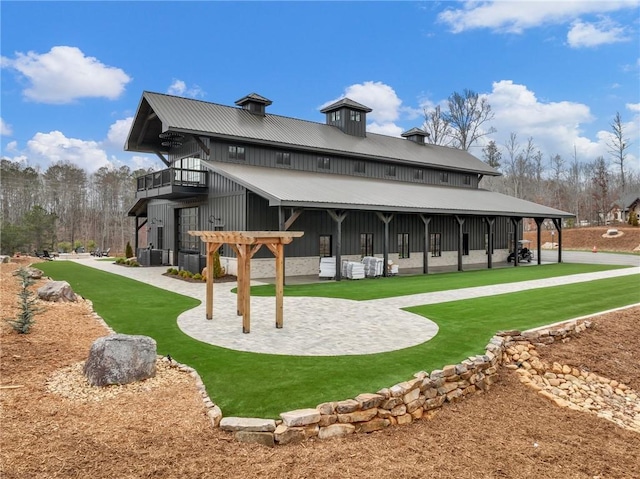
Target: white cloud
{"x": 5, "y": 128}
{"x": 389, "y": 129}
{"x": 119, "y": 131}
{"x": 554, "y": 126}
{"x": 12, "y": 146}
{"x": 47, "y": 148}
{"x": 179, "y": 88}
{"x": 517, "y": 16}
{"x": 65, "y": 74}
{"x": 635, "y": 107}
{"x": 584, "y": 34}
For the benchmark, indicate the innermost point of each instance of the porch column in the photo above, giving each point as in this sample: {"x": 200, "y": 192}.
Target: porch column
{"x": 558, "y": 223}
{"x": 539, "y": 222}
{"x": 516, "y": 237}
{"x": 490, "y": 222}
{"x": 427, "y": 247}
{"x": 386, "y": 219}
{"x": 338, "y": 217}
{"x": 460, "y": 221}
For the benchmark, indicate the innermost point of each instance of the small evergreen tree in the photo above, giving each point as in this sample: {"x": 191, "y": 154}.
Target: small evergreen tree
{"x": 128, "y": 251}
{"x": 28, "y": 309}
{"x": 217, "y": 269}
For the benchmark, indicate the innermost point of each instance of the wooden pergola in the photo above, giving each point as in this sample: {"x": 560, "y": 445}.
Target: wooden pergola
{"x": 246, "y": 244}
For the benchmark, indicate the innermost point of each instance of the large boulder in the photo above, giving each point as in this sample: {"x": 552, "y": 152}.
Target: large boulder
{"x": 57, "y": 291}
{"x": 120, "y": 359}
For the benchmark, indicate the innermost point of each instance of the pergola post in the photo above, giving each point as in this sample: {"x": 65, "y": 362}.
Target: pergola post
{"x": 427, "y": 247}
{"x": 211, "y": 250}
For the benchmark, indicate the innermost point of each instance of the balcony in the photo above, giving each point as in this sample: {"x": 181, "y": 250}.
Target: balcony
{"x": 172, "y": 183}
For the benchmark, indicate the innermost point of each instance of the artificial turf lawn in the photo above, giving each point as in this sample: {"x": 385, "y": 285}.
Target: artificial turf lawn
{"x": 262, "y": 385}
{"x": 405, "y": 285}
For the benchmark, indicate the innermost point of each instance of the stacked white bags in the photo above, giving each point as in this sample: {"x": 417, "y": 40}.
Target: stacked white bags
{"x": 352, "y": 270}
{"x": 373, "y": 267}
{"x": 328, "y": 267}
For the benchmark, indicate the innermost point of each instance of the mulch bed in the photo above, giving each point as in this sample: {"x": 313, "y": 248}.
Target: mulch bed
{"x": 163, "y": 432}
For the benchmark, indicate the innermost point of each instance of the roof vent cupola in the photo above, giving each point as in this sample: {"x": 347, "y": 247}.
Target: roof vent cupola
{"x": 254, "y": 103}
{"x": 416, "y": 135}
{"x": 348, "y": 115}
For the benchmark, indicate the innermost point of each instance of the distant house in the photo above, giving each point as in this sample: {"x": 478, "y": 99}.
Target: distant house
{"x": 622, "y": 209}
{"x": 352, "y": 192}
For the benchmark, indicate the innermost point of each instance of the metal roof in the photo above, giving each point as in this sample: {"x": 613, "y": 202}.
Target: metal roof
{"x": 283, "y": 187}
{"x": 158, "y": 113}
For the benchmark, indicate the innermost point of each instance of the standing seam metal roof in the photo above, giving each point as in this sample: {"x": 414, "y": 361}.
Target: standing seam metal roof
{"x": 210, "y": 119}
{"x": 322, "y": 190}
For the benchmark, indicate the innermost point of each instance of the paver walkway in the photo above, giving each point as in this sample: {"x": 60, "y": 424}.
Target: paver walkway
{"x": 320, "y": 326}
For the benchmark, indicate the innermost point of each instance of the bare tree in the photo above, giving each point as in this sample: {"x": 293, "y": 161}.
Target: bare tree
{"x": 600, "y": 191}
{"x": 437, "y": 127}
{"x": 467, "y": 115}
{"x": 618, "y": 146}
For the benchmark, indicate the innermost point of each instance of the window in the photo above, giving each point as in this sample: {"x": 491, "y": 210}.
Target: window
{"x": 434, "y": 243}
{"x": 355, "y": 115}
{"x": 465, "y": 244}
{"x": 444, "y": 177}
{"x": 335, "y": 115}
{"x": 390, "y": 170}
{"x": 236, "y": 153}
{"x": 324, "y": 163}
{"x": 187, "y": 171}
{"x": 418, "y": 175}
{"x": 160, "y": 237}
{"x": 188, "y": 221}
{"x": 366, "y": 244}
{"x": 359, "y": 167}
{"x": 467, "y": 180}
{"x": 403, "y": 245}
{"x": 325, "y": 246}
{"x": 283, "y": 158}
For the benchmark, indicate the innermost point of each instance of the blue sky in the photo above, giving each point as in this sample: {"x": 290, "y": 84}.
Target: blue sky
{"x": 73, "y": 72}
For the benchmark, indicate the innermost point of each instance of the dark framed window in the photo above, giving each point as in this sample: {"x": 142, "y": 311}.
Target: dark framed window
{"x": 435, "y": 244}
{"x": 236, "y": 153}
{"x": 325, "y": 245}
{"x": 465, "y": 244}
{"x": 418, "y": 175}
{"x": 359, "y": 167}
{"x": 390, "y": 170}
{"x": 366, "y": 244}
{"x": 467, "y": 179}
{"x": 355, "y": 115}
{"x": 283, "y": 158}
{"x": 324, "y": 163}
{"x": 335, "y": 115}
{"x": 160, "y": 237}
{"x": 188, "y": 221}
{"x": 444, "y": 177}
{"x": 403, "y": 245}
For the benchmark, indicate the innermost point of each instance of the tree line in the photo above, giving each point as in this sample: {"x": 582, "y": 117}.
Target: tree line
{"x": 64, "y": 208}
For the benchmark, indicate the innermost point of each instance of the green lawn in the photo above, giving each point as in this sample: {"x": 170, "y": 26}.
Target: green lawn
{"x": 249, "y": 384}
{"x": 404, "y": 285}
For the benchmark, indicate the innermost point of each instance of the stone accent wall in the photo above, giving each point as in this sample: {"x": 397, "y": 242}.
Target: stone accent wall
{"x": 409, "y": 400}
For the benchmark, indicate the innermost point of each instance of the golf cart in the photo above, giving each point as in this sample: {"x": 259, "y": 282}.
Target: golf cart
{"x": 524, "y": 253}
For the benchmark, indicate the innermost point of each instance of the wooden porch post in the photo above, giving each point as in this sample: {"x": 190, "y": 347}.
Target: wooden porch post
{"x": 338, "y": 218}
{"x": 539, "y": 222}
{"x": 460, "y": 221}
{"x": 558, "y": 223}
{"x": 516, "y": 238}
{"x": 427, "y": 247}
{"x": 490, "y": 222}
{"x": 386, "y": 219}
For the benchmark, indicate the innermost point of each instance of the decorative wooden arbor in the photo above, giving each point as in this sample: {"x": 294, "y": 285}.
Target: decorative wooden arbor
{"x": 246, "y": 244}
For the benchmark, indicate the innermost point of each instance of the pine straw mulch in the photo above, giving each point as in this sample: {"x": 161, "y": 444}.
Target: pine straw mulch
{"x": 162, "y": 431}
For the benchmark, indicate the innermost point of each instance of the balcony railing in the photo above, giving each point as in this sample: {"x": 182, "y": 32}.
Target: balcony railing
{"x": 173, "y": 177}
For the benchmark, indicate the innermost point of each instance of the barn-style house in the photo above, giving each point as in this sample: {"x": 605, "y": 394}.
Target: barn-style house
{"x": 353, "y": 193}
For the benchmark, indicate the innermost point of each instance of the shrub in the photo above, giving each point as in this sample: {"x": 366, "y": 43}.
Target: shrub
{"x": 25, "y": 319}
{"x": 64, "y": 246}
{"x": 218, "y": 271}
{"x": 128, "y": 250}
{"x": 134, "y": 263}
{"x": 170, "y": 270}
{"x": 633, "y": 219}
{"x": 120, "y": 261}
{"x": 197, "y": 276}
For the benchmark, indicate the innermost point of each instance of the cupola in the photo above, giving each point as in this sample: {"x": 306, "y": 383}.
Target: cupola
{"x": 254, "y": 103}
{"x": 348, "y": 115}
{"x": 416, "y": 135}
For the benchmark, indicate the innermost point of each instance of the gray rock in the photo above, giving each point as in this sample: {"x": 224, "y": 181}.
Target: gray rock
{"x": 57, "y": 291}
{"x": 264, "y": 438}
{"x": 120, "y": 359}
{"x": 250, "y": 424}
{"x": 300, "y": 417}
{"x": 4, "y": 259}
